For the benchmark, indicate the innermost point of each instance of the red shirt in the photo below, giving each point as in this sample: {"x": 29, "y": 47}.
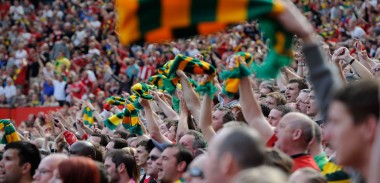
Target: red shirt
{"x": 272, "y": 141}
{"x": 304, "y": 160}
{"x": 81, "y": 91}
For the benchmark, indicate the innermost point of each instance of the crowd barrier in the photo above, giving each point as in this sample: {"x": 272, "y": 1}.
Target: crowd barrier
{"x": 20, "y": 114}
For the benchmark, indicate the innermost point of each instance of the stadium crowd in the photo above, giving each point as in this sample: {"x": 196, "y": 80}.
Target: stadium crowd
{"x": 318, "y": 121}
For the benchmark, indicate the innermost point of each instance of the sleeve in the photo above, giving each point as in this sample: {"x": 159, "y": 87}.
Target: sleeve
{"x": 70, "y": 137}
{"x": 322, "y": 77}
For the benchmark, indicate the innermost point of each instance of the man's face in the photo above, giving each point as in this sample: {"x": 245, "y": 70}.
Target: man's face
{"x": 213, "y": 165}
{"x": 45, "y": 171}
{"x": 301, "y": 102}
{"x": 112, "y": 170}
{"x": 345, "y": 137}
{"x": 187, "y": 141}
{"x": 171, "y": 134}
{"x": 284, "y": 132}
{"x": 10, "y": 171}
{"x": 141, "y": 156}
{"x": 312, "y": 108}
{"x": 152, "y": 167}
{"x": 271, "y": 102}
{"x": 292, "y": 92}
{"x": 167, "y": 165}
{"x": 110, "y": 146}
{"x": 217, "y": 119}
{"x": 274, "y": 117}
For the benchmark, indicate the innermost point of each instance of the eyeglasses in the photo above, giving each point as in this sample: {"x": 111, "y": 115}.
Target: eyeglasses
{"x": 196, "y": 172}
{"x": 153, "y": 158}
{"x": 376, "y": 69}
{"x": 43, "y": 172}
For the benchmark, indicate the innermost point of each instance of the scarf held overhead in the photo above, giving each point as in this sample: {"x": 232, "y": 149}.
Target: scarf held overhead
{"x": 10, "y": 134}
{"x": 162, "y": 20}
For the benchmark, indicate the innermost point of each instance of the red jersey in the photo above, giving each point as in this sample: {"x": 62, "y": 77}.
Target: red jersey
{"x": 304, "y": 160}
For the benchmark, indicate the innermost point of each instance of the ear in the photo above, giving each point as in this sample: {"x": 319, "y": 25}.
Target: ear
{"x": 369, "y": 128}
{"x": 181, "y": 167}
{"x": 121, "y": 168}
{"x": 226, "y": 164}
{"x": 25, "y": 168}
{"x": 296, "y": 134}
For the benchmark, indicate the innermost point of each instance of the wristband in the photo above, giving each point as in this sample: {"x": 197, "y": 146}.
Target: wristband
{"x": 352, "y": 61}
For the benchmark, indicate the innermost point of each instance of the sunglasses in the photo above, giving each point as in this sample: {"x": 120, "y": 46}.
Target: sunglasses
{"x": 196, "y": 172}
{"x": 376, "y": 69}
{"x": 153, "y": 158}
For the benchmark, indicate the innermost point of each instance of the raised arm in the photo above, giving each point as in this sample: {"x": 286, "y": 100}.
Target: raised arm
{"x": 182, "y": 122}
{"x": 192, "y": 101}
{"x": 152, "y": 124}
{"x": 165, "y": 107}
{"x": 344, "y": 54}
{"x": 252, "y": 110}
{"x": 205, "y": 120}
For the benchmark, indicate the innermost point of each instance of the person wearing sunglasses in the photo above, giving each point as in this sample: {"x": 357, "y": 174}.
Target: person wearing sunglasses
{"x": 155, "y": 153}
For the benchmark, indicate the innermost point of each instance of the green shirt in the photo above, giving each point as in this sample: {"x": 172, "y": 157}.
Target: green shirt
{"x": 321, "y": 160}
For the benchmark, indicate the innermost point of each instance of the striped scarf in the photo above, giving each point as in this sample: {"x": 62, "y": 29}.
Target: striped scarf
{"x": 10, "y": 134}
{"x": 236, "y": 71}
{"x": 114, "y": 100}
{"x": 159, "y": 20}
{"x": 193, "y": 66}
{"x": 87, "y": 117}
{"x": 129, "y": 119}
{"x": 158, "y": 81}
{"x": 142, "y": 90}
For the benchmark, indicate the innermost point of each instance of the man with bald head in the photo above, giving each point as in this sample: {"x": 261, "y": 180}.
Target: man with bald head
{"x": 239, "y": 147}
{"x": 196, "y": 171}
{"x": 45, "y": 169}
{"x": 83, "y": 148}
{"x": 294, "y": 133}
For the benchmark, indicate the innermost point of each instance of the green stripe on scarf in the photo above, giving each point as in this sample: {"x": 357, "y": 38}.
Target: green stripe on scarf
{"x": 146, "y": 18}
{"x": 192, "y": 66}
{"x": 87, "y": 117}
{"x": 113, "y": 122}
{"x": 238, "y": 67}
{"x": 141, "y": 90}
{"x": 158, "y": 81}
{"x": 131, "y": 120}
{"x": 10, "y": 134}
{"x": 114, "y": 100}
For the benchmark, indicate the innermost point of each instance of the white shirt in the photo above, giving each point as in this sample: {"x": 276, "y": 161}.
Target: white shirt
{"x": 193, "y": 52}
{"x": 17, "y": 11}
{"x": 359, "y": 33}
{"x": 59, "y": 90}
{"x": 2, "y": 90}
{"x": 10, "y": 91}
{"x": 94, "y": 51}
{"x": 21, "y": 54}
{"x": 91, "y": 76}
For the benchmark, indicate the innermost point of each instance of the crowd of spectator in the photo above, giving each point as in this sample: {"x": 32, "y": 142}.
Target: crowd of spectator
{"x": 316, "y": 122}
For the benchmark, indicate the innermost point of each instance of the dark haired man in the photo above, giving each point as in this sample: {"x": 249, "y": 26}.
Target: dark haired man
{"x": 116, "y": 143}
{"x": 121, "y": 166}
{"x": 294, "y": 88}
{"x": 99, "y": 139}
{"x": 141, "y": 156}
{"x": 277, "y": 113}
{"x": 173, "y": 163}
{"x": 19, "y": 163}
{"x": 193, "y": 140}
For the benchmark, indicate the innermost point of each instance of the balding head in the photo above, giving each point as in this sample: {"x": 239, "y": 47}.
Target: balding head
{"x": 294, "y": 132}
{"x": 45, "y": 169}
{"x": 83, "y": 148}
{"x": 197, "y": 166}
{"x": 241, "y": 147}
